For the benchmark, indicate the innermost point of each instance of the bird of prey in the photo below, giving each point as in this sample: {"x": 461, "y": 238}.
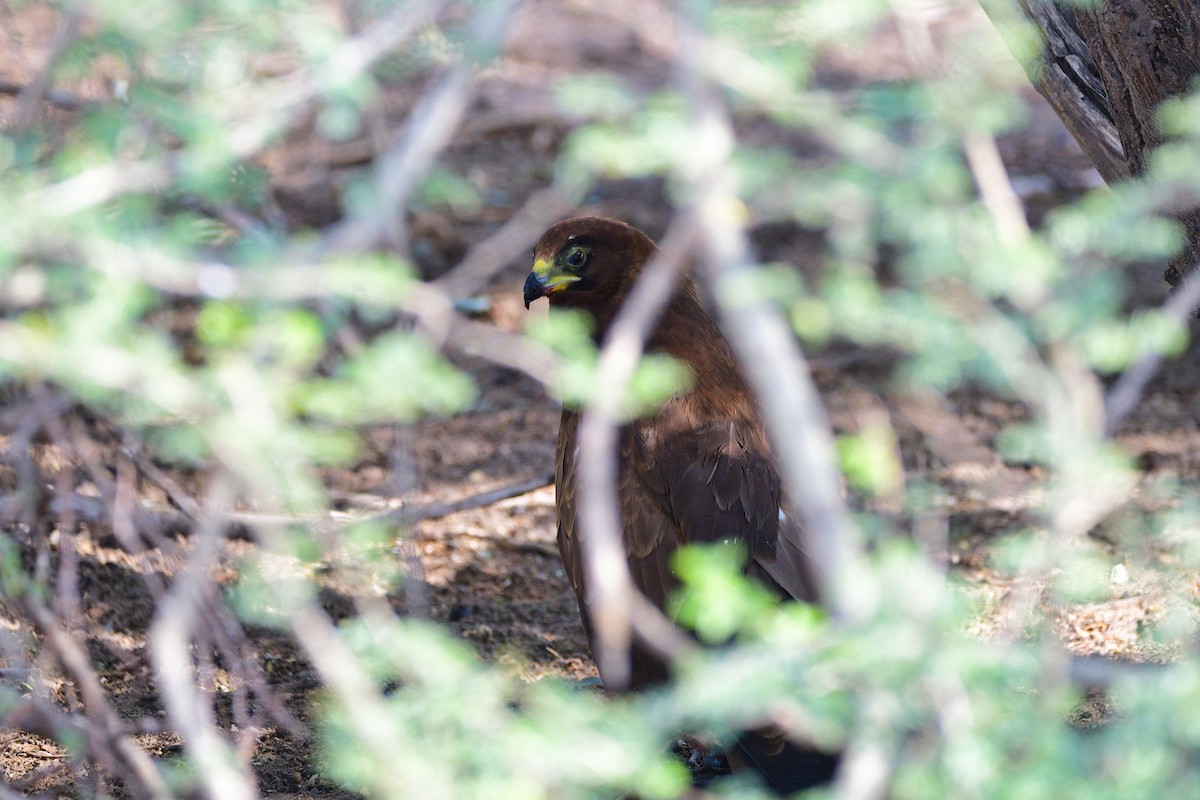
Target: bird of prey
{"x": 700, "y": 468}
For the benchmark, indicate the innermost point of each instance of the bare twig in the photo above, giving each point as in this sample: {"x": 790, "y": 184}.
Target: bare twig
{"x": 775, "y": 367}
{"x": 617, "y": 609}
{"x": 297, "y": 282}
{"x": 435, "y": 313}
{"x": 96, "y": 509}
{"x": 995, "y": 187}
{"x": 403, "y": 516}
{"x": 343, "y": 673}
{"x": 35, "y": 92}
{"x": 432, "y": 124}
{"x": 492, "y": 254}
{"x": 273, "y": 108}
{"x": 107, "y": 735}
{"x": 117, "y": 505}
{"x": 229, "y": 637}
{"x": 55, "y": 97}
{"x": 410, "y": 516}
{"x": 178, "y": 496}
{"x": 170, "y": 649}
{"x": 1127, "y": 391}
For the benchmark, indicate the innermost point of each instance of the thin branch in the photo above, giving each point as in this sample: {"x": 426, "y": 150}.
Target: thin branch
{"x": 410, "y": 516}
{"x": 97, "y": 509}
{"x": 230, "y": 638}
{"x": 1125, "y": 394}
{"x": 343, "y": 673}
{"x": 170, "y": 640}
{"x": 146, "y": 465}
{"x": 616, "y": 607}
{"x": 775, "y": 367}
{"x": 296, "y": 282}
{"x": 31, "y": 99}
{"x": 489, "y": 256}
{"x": 106, "y": 731}
{"x": 435, "y": 313}
{"x": 991, "y": 177}
{"x": 55, "y": 97}
{"x": 432, "y": 124}
{"x": 274, "y": 107}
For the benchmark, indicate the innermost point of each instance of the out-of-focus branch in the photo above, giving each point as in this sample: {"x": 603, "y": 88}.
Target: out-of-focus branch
{"x": 435, "y": 312}
{"x": 488, "y": 257}
{"x": 792, "y": 408}
{"x": 431, "y": 125}
{"x": 232, "y": 642}
{"x": 865, "y": 772}
{"x": 273, "y": 108}
{"x": 97, "y": 185}
{"x": 99, "y": 510}
{"x": 38, "y": 716}
{"x": 343, "y": 673}
{"x": 432, "y": 309}
{"x": 617, "y": 608}
{"x": 10, "y": 794}
{"x": 1123, "y": 397}
{"x": 107, "y": 735}
{"x": 35, "y": 92}
{"x": 996, "y": 189}
{"x": 397, "y": 171}
{"x": 170, "y": 651}
{"x": 775, "y": 367}
{"x": 55, "y": 97}
{"x": 276, "y": 104}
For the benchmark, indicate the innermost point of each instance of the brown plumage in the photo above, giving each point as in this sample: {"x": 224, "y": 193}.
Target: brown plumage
{"x": 700, "y": 469}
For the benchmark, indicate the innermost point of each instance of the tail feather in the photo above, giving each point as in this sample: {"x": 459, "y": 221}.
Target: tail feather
{"x": 792, "y": 569}
{"x": 785, "y": 766}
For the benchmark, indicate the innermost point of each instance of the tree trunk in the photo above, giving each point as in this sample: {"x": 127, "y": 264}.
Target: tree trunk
{"x": 1105, "y": 70}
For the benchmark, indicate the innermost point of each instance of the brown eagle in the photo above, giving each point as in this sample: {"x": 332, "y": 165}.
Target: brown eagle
{"x": 700, "y": 469}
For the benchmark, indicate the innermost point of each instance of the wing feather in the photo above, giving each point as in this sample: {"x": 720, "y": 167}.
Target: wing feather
{"x": 650, "y": 538}
{"x": 717, "y": 485}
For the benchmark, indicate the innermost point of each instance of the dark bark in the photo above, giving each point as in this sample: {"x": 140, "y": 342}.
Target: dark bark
{"x": 1105, "y": 70}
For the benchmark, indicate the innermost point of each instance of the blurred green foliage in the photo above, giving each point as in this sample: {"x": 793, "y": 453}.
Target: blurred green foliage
{"x": 568, "y": 333}
{"x": 464, "y": 730}
{"x": 125, "y": 284}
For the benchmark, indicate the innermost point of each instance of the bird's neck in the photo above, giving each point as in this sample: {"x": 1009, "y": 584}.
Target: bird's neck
{"x": 686, "y": 332}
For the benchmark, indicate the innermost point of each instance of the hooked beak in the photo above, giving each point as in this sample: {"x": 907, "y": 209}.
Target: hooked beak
{"x": 545, "y": 281}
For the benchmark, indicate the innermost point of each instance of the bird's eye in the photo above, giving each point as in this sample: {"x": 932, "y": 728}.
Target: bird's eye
{"x": 576, "y": 257}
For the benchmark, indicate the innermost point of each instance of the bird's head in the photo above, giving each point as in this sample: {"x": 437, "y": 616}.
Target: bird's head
{"x": 587, "y": 263}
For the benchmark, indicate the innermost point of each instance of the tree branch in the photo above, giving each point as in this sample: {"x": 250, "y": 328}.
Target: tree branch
{"x": 617, "y": 609}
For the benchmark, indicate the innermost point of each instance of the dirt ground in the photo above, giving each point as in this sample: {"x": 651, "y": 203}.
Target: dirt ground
{"x": 491, "y": 574}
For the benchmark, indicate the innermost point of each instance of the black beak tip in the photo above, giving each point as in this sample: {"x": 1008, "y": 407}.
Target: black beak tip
{"x": 533, "y": 289}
